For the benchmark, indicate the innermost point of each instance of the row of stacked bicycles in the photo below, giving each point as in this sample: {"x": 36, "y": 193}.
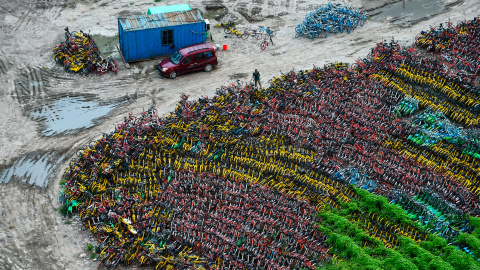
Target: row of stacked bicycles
{"x": 454, "y": 45}
{"x": 79, "y": 54}
{"x": 369, "y": 166}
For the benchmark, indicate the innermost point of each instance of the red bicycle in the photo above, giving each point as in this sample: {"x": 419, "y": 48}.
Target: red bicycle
{"x": 265, "y": 43}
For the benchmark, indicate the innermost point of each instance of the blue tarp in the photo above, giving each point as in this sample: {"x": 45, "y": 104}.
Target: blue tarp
{"x": 166, "y": 9}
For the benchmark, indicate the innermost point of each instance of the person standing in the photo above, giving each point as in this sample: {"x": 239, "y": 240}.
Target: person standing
{"x": 256, "y": 78}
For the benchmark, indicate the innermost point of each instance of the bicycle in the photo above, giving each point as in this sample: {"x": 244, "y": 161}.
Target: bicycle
{"x": 229, "y": 28}
{"x": 237, "y": 84}
{"x": 265, "y": 43}
{"x": 78, "y": 53}
{"x": 266, "y": 31}
{"x": 250, "y": 85}
{"x": 106, "y": 64}
{"x": 247, "y": 32}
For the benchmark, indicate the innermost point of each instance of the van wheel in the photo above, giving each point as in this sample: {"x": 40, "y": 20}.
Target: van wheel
{"x": 208, "y": 68}
{"x": 173, "y": 75}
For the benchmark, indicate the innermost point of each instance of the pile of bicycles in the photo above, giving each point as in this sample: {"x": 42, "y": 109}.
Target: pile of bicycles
{"x": 330, "y": 18}
{"x": 236, "y": 140}
{"x": 455, "y": 44}
{"x": 371, "y": 164}
{"x": 79, "y": 54}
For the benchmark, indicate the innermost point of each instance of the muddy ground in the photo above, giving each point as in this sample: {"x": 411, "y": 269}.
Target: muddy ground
{"x": 47, "y": 114}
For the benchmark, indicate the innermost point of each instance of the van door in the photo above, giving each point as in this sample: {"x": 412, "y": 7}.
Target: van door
{"x": 198, "y": 59}
{"x": 204, "y": 58}
{"x": 187, "y": 65}
{"x": 210, "y": 58}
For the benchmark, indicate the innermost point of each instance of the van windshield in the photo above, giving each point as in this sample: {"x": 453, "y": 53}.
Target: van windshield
{"x": 175, "y": 58}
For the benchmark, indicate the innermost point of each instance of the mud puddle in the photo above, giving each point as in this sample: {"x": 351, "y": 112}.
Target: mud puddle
{"x": 106, "y": 44}
{"x": 66, "y": 115}
{"x": 409, "y": 12}
{"x": 215, "y": 10}
{"x": 238, "y": 76}
{"x": 32, "y": 169}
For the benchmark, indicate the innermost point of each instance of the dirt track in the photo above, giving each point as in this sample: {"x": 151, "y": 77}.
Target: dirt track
{"x": 38, "y": 97}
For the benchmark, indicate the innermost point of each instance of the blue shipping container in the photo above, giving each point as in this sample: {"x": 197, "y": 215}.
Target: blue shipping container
{"x": 148, "y": 36}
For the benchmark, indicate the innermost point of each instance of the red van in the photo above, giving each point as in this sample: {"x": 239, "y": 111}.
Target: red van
{"x": 191, "y": 58}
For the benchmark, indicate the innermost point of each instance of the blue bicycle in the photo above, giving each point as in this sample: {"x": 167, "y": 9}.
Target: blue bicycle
{"x": 266, "y": 31}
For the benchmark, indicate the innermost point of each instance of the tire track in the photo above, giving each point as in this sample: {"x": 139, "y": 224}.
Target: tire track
{"x": 34, "y": 223}
{"x": 5, "y": 65}
{"x": 23, "y": 22}
{"x": 49, "y": 4}
{"x": 32, "y": 88}
{"x": 255, "y": 11}
{"x": 31, "y": 85}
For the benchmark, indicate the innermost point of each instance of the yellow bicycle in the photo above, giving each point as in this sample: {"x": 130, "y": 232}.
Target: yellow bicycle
{"x": 229, "y": 28}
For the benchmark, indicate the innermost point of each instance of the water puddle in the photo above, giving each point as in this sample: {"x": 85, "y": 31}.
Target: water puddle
{"x": 106, "y": 44}
{"x": 33, "y": 169}
{"x": 70, "y": 114}
{"x": 413, "y": 12}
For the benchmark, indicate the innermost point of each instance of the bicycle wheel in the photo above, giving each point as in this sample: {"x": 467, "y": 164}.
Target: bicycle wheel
{"x": 258, "y": 35}
{"x": 263, "y": 45}
{"x": 84, "y": 71}
{"x": 227, "y": 30}
{"x": 100, "y": 71}
{"x": 245, "y": 34}
{"x": 69, "y": 69}
{"x": 298, "y": 34}
{"x": 114, "y": 66}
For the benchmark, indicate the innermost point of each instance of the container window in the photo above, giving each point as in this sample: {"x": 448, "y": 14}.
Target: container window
{"x": 167, "y": 37}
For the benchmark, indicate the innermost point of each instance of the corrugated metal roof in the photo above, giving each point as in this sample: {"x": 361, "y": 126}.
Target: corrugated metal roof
{"x": 161, "y": 20}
